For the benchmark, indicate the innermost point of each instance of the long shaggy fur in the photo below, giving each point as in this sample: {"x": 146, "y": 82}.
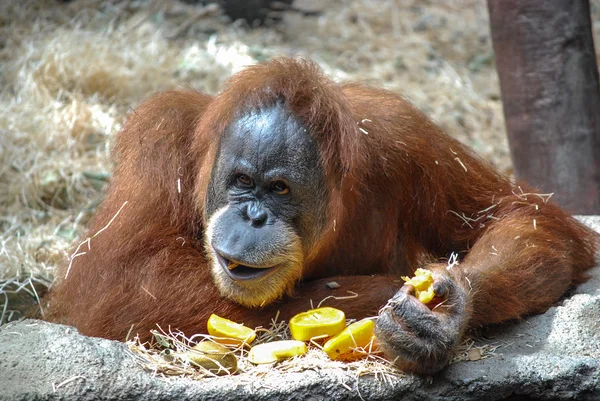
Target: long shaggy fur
{"x": 401, "y": 193}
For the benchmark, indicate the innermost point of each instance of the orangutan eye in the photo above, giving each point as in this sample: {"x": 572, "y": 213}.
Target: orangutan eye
{"x": 244, "y": 181}
{"x": 280, "y": 188}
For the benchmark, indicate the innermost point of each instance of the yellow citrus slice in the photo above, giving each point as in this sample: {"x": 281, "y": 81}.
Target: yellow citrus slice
{"x": 276, "y": 351}
{"x": 227, "y": 332}
{"x": 423, "y": 283}
{"x": 357, "y": 335}
{"x": 324, "y": 321}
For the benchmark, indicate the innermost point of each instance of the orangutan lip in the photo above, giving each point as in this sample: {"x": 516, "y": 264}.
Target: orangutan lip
{"x": 242, "y": 272}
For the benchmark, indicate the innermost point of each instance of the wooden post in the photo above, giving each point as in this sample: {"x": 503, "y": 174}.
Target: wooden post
{"x": 549, "y": 81}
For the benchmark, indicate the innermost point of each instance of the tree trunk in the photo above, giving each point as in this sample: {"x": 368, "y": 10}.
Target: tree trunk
{"x": 549, "y": 80}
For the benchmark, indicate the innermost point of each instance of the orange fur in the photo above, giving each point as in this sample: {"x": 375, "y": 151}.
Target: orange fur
{"x": 401, "y": 193}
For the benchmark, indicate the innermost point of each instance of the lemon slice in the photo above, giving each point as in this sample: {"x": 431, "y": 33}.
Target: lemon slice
{"x": 423, "y": 283}
{"x": 276, "y": 351}
{"x": 317, "y": 322}
{"x": 227, "y": 332}
{"x": 357, "y": 335}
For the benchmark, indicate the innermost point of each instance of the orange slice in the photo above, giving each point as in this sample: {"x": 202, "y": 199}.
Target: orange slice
{"x": 423, "y": 283}
{"x": 357, "y": 335}
{"x": 324, "y": 321}
{"x": 225, "y": 331}
{"x": 276, "y": 351}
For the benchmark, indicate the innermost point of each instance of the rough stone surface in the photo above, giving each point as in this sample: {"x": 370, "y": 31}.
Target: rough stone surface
{"x": 554, "y": 356}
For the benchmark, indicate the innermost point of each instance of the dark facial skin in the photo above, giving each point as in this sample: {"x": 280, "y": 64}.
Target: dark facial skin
{"x": 266, "y": 200}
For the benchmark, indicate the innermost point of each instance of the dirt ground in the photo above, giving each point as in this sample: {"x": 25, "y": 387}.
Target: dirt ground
{"x": 70, "y": 73}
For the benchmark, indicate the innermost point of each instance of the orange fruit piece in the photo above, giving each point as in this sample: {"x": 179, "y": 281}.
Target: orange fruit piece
{"x": 357, "y": 335}
{"x": 276, "y": 351}
{"x": 226, "y": 331}
{"x": 423, "y": 284}
{"x": 318, "y": 322}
